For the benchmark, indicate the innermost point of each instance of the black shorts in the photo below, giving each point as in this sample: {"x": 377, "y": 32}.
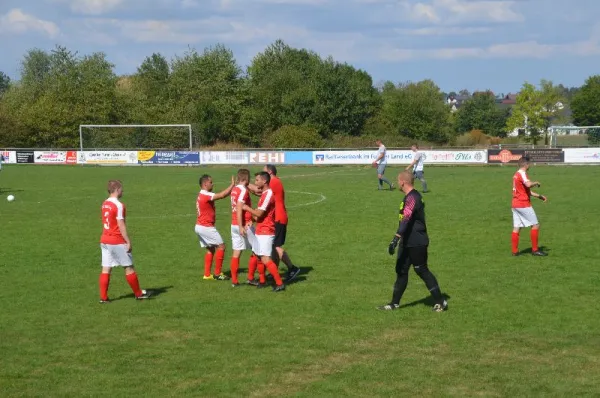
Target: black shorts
{"x": 408, "y": 256}
{"x": 280, "y": 233}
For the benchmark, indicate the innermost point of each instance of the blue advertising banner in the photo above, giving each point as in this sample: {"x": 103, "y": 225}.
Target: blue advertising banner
{"x": 298, "y": 157}
{"x": 169, "y": 157}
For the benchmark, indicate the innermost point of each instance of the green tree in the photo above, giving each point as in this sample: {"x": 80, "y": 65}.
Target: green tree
{"x": 4, "y": 83}
{"x": 416, "y": 110}
{"x": 535, "y": 110}
{"x": 480, "y": 112}
{"x": 586, "y": 103}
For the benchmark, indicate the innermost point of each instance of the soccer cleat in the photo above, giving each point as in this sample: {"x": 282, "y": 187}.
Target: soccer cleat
{"x": 539, "y": 253}
{"x": 440, "y": 307}
{"x": 294, "y": 272}
{"x": 252, "y": 282}
{"x": 222, "y": 277}
{"x": 388, "y": 307}
{"x": 209, "y": 278}
{"x": 392, "y": 187}
{"x": 235, "y": 285}
{"x": 145, "y": 295}
{"x": 279, "y": 288}
{"x": 261, "y": 285}
{"x": 515, "y": 254}
{"x": 107, "y": 301}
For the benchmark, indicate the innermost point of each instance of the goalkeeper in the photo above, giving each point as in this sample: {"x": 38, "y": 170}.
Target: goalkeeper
{"x": 413, "y": 240}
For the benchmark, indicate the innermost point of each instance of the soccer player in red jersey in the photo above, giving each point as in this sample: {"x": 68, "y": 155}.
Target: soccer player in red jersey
{"x": 115, "y": 244}
{"x": 242, "y": 229}
{"x": 281, "y": 221}
{"x": 208, "y": 235}
{"x": 265, "y": 228}
{"x": 523, "y": 214}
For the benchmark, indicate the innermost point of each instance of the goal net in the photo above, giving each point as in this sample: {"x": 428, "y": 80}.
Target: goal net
{"x": 560, "y": 131}
{"x": 135, "y": 136}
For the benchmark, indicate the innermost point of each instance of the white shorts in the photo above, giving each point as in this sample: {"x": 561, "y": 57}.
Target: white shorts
{"x": 524, "y": 217}
{"x": 239, "y": 242}
{"x": 208, "y": 236}
{"x": 115, "y": 256}
{"x": 262, "y": 245}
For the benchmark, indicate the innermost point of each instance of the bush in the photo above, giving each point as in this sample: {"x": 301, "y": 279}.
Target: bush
{"x": 593, "y": 136}
{"x": 474, "y": 138}
{"x": 294, "y": 137}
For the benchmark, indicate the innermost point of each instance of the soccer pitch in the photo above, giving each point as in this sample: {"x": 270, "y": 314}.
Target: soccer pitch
{"x": 516, "y": 326}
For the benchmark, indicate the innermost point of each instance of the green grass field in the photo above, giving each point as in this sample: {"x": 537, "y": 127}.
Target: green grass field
{"x": 517, "y": 326}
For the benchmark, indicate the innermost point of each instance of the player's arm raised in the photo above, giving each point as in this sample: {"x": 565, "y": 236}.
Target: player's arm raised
{"x": 123, "y": 228}
{"x": 226, "y": 192}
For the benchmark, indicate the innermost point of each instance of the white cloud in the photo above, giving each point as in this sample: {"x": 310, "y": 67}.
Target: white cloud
{"x": 459, "y": 11}
{"x": 16, "y": 21}
{"x": 443, "y": 31}
{"x": 91, "y": 7}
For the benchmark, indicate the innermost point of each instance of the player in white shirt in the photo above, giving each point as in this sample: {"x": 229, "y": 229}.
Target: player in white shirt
{"x": 381, "y": 163}
{"x": 417, "y": 166}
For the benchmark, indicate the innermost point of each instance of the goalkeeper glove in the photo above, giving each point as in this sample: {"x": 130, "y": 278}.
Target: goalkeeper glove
{"x": 393, "y": 244}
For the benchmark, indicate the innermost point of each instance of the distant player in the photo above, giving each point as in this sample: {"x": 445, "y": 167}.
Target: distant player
{"x": 281, "y": 221}
{"x": 523, "y": 214}
{"x": 208, "y": 235}
{"x": 381, "y": 163}
{"x": 412, "y": 233}
{"x": 115, "y": 244}
{"x": 242, "y": 228}
{"x": 265, "y": 228}
{"x": 417, "y": 166}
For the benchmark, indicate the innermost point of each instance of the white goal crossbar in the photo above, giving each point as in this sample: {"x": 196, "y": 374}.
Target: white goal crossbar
{"x": 82, "y": 126}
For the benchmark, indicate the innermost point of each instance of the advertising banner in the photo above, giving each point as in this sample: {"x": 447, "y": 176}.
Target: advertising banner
{"x": 55, "y": 157}
{"x": 266, "y": 157}
{"x": 168, "y": 157}
{"x": 107, "y": 157}
{"x": 9, "y": 157}
{"x": 25, "y": 156}
{"x": 298, "y": 157}
{"x": 535, "y": 155}
{"x": 223, "y": 157}
{"x": 582, "y": 155}
{"x": 400, "y": 157}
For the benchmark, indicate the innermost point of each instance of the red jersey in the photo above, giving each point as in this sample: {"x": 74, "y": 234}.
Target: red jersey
{"x": 279, "y": 193}
{"x": 112, "y": 210}
{"x": 521, "y": 193}
{"x": 240, "y": 193}
{"x": 205, "y": 206}
{"x": 266, "y": 224}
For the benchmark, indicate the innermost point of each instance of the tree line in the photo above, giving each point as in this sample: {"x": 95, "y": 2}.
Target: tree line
{"x": 285, "y": 98}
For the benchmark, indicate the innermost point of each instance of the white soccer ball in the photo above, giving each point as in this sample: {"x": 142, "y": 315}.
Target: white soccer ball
{"x": 10, "y": 198}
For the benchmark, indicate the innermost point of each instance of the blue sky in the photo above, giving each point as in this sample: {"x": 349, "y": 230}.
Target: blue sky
{"x": 470, "y": 44}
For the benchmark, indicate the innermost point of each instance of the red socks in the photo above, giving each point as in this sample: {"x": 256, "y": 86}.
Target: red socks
{"x": 272, "y": 267}
{"x": 515, "y": 242}
{"x": 208, "y": 257}
{"x": 220, "y": 256}
{"x": 262, "y": 278}
{"x": 235, "y": 266}
{"x": 535, "y": 233}
{"x": 132, "y": 279}
{"x": 103, "y": 281}
{"x": 252, "y": 264}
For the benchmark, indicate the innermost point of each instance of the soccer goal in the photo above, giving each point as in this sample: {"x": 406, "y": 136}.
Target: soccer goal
{"x": 555, "y": 131}
{"x": 135, "y": 136}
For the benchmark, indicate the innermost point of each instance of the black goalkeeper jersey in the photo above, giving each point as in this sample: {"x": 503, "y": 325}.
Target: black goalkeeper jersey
{"x": 412, "y": 225}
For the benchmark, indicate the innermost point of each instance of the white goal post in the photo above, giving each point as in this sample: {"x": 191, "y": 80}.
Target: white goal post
{"x": 117, "y": 126}
{"x": 554, "y": 131}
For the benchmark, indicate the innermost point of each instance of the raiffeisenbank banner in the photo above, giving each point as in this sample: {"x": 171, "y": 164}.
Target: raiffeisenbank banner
{"x": 400, "y": 156}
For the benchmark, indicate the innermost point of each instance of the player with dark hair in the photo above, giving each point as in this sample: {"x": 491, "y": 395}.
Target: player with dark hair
{"x": 262, "y": 245}
{"x": 523, "y": 214}
{"x": 115, "y": 244}
{"x": 381, "y": 163}
{"x": 281, "y": 222}
{"x": 208, "y": 235}
{"x": 417, "y": 166}
{"x": 412, "y": 233}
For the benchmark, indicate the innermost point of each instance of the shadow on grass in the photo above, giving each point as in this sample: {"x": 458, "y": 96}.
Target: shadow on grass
{"x": 156, "y": 291}
{"x": 529, "y": 250}
{"x": 304, "y": 271}
{"x": 427, "y": 301}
